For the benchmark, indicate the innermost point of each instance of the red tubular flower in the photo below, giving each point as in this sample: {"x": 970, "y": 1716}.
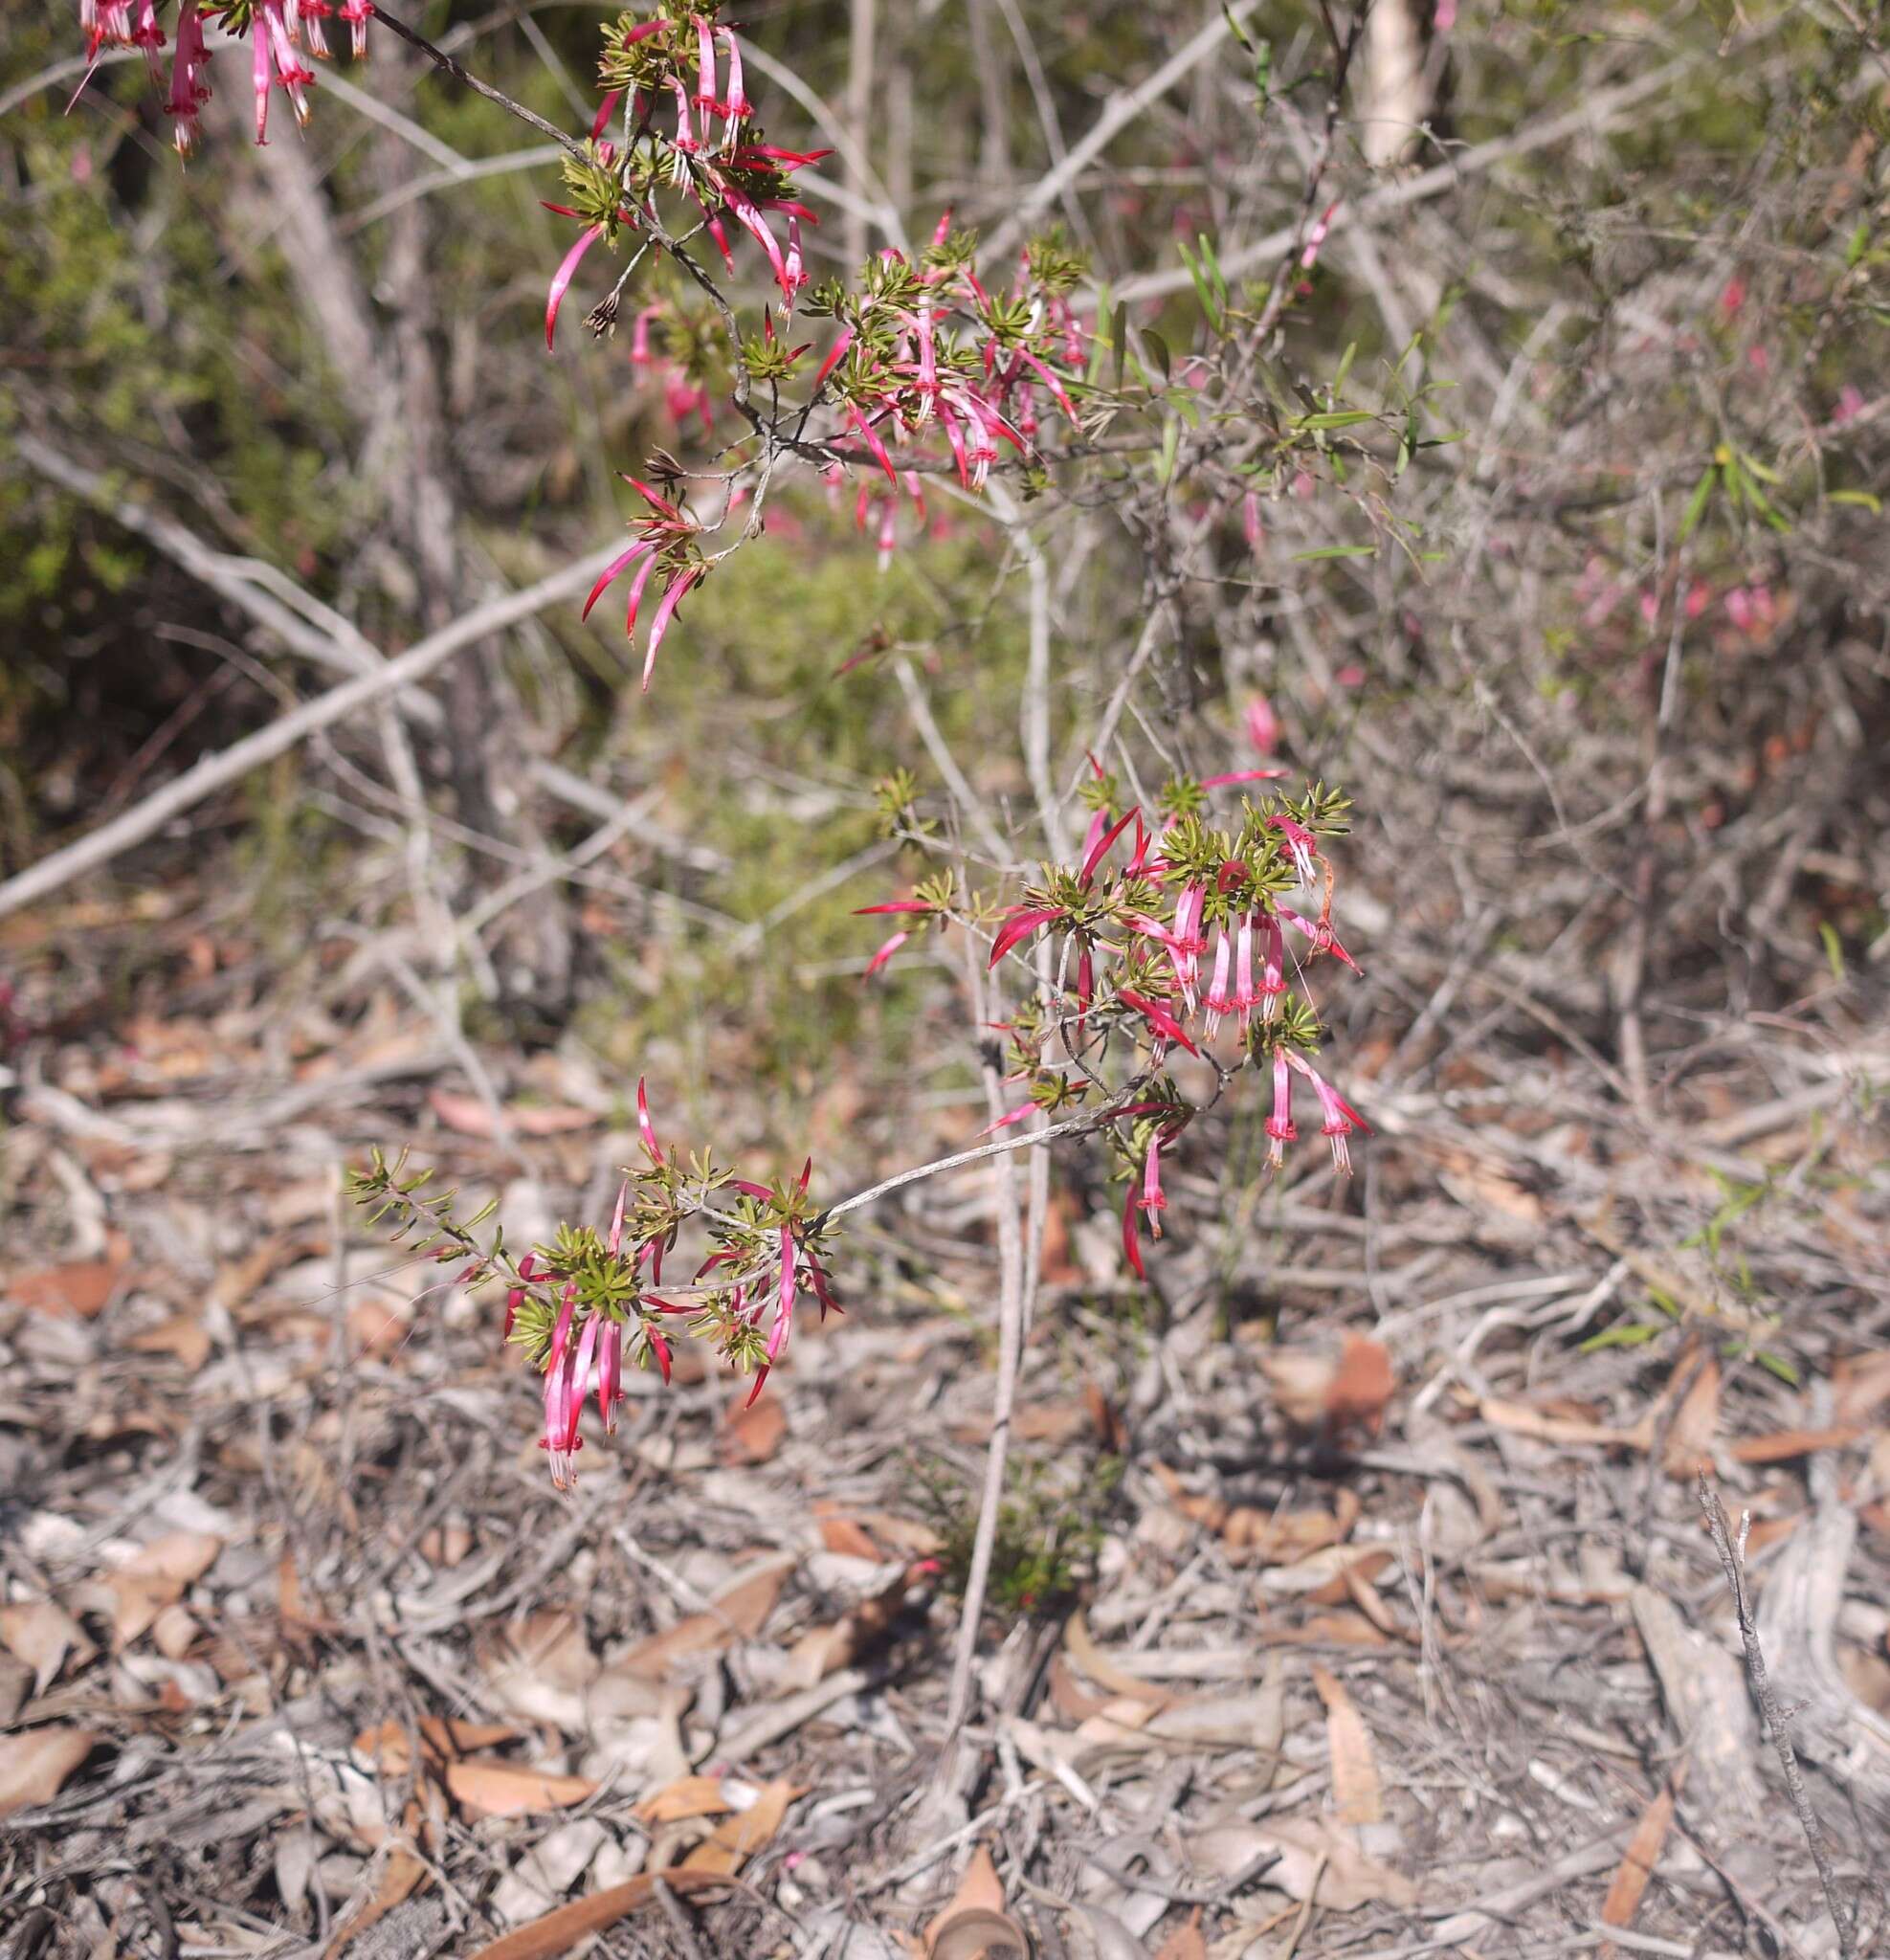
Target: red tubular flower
{"x": 784, "y": 1306}
{"x": 1160, "y": 1019}
{"x": 870, "y": 436}
{"x": 1262, "y": 724}
{"x": 1100, "y": 845}
{"x": 612, "y": 572}
{"x": 515, "y": 1296}
{"x": 1218, "y": 1001}
{"x": 1022, "y": 923}
{"x": 1131, "y": 1248}
{"x": 894, "y": 905}
{"x": 1010, "y": 1116}
{"x": 1242, "y": 777}
{"x": 833, "y": 359}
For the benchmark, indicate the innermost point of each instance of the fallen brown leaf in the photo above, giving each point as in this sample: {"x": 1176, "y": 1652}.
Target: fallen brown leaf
{"x": 826, "y": 1650}
{"x": 1318, "y": 1391}
{"x": 562, "y": 1929}
{"x": 1271, "y": 1537}
{"x": 1355, "y": 1790}
{"x": 738, "y": 1838}
{"x": 753, "y": 1433}
{"x": 79, "y": 1291}
{"x": 688, "y": 1797}
{"x": 34, "y": 1764}
{"x": 736, "y": 1614}
{"x": 181, "y": 1336}
{"x": 975, "y": 1924}
{"x": 1105, "y": 1672}
{"x": 1786, "y": 1443}
{"x": 1696, "y": 1423}
{"x": 401, "y": 1873}
{"x": 472, "y": 1117}
{"x": 44, "y": 1634}
{"x": 1637, "y": 1863}
{"x": 156, "y": 1577}
{"x": 1518, "y": 1419}
{"x": 485, "y": 1788}
{"x": 1185, "y": 1943}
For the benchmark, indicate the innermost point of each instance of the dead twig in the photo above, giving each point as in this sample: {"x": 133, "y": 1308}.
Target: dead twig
{"x": 1732, "y": 1558}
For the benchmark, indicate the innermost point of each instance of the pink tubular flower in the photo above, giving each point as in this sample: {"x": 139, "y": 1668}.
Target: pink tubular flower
{"x": 1341, "y": 1119}
{"x": 1249, "y": 520}
{"x": 1315, "y": 238}
{"x": 1279, "y": 1124}
{"x": 1301, "y": 846}
{"x": 885, "y": 953}
{"x": 672, "y": 598}
{"x": 561, "y": 279}
{"x": 1218, "y": 1001}
{"x": 560, "y": 1438}
{"x": 188, "y": 90}
{"x": 1262, "y": 724}
{"x": 1324, "y": 939}
{"x": 357, "y": 14}
{"x": 1242, "y": 777}
{"x": 1152, "y": 1199}
{"x": 1273, "y": 968}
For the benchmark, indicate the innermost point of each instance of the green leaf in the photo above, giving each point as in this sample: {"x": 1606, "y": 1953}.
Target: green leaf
{"x": 1336, "y": 551}
{"x": 1833, "y": 950}
{"x": 1861, "y": 498}
{"x": 1337, "y": 418}
{"x": 1629, "y": 1334}
{"x": 1119, "y": 338}
{"x": 1696, "y": 507}
{"x": 1344, "y": 366}
{"x": 1159, "y": 348}
{"x": 1776, "y": 1364}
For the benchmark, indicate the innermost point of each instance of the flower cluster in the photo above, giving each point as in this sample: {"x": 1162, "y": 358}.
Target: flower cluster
{"x": 1188, "y": 943}
{"x": 583, "y": 1305}
{"x": 280, "y": 32}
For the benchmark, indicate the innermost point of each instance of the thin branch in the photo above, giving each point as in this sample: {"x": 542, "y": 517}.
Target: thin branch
{"x": 1732, "y": 1558}
{"x": 212, "y": 772}
{"x": 441, "y": 60}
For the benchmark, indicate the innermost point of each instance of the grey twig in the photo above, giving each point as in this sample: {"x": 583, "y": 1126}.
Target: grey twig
{"x": 1732, "y": 1558}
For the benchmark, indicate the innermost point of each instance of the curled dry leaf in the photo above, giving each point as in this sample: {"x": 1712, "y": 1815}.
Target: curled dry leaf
{"x": 1541, "y": 1425}
{"x": 1356, "y": 1794}
{"x": 1107, "y": 1673}
{"x": 34, "y": 1764}
{"x": 1313, "y": 1851}
{"x": 45, "y": 1635}
{"x": 1185, "y": 1943}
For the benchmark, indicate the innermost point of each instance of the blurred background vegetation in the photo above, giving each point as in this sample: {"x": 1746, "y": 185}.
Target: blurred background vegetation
{"x": 1619, "y": 637}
